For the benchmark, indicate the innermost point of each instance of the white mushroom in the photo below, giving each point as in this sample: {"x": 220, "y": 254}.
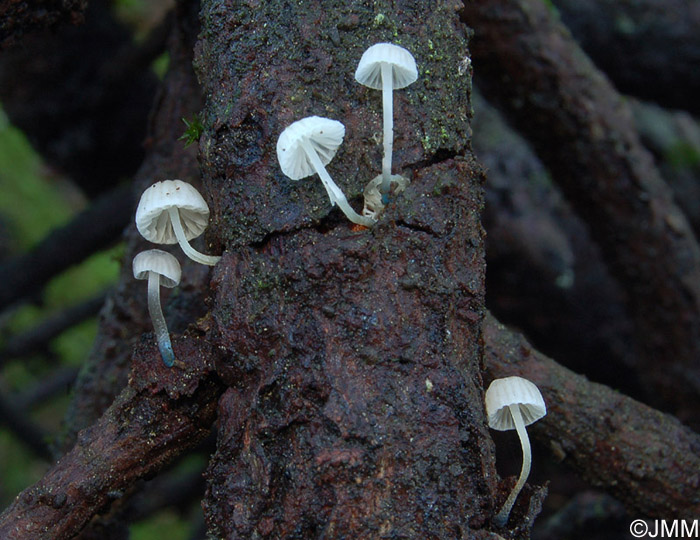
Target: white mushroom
{"x": 305, "y": 147}
{"x": 159, "y": 268}
{"x": 387, "y": 67}
{"x": 174, "y": 212}
{"x": 514, "y": 402}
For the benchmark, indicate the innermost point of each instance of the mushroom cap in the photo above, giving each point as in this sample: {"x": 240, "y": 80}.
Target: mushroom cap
{"x": 513, "y": 391}
{"x": 153, "y": 221}
{"x": 369, "y": 70}
{"x": 324, "y": 134}
{"x": 160, "y": 262}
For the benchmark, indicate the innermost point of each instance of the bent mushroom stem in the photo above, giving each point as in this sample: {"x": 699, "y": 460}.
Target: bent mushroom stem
{"x": 159, "y": 326}
{"x": 334, "y": 192}
{"x": 388, "y": 108}
{"x": 192, "y": 253}
{"x": 502, "y": 516}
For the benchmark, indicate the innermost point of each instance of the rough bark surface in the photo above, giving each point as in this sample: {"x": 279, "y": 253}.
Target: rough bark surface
{"x": 354, "y": 405}
{"x": 583, "y": 131}
{"x": 646, "y": 459}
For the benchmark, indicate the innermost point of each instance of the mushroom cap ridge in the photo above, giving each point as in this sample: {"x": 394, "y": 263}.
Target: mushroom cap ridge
{"x": 369, "y": 70}
{"x": 513, "y": 391}
{"x": 153, "y": 221}
{"x": 160, "y": 262}
{"x": 324, "y": 134}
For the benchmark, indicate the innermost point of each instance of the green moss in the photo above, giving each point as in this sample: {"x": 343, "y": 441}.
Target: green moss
{"x": 193, "y": 132}
{"x": 166, "y": 524}
{"x": 682, "y": 154}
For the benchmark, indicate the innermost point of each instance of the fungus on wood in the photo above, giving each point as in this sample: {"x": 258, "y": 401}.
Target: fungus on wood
{"x": 354, "y": 403}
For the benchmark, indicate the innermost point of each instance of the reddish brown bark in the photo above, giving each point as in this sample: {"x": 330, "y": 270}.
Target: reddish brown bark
{"x": 645, "y": 458}
{"x": 583, "y": 131}
{"x": 346, "y": 414}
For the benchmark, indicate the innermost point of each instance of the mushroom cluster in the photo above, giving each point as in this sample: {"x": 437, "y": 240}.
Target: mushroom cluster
{"x": 307, "y": 145}
{"x": 169, "y": 212}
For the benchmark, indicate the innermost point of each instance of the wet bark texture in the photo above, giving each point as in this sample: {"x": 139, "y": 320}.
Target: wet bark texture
{"x": 583, "y": 131}
{"x": 354, "y": 406}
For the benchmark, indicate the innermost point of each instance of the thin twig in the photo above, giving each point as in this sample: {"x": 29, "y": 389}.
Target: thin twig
{"x": 90, "y": 231}
{"x": 37, "y": 338}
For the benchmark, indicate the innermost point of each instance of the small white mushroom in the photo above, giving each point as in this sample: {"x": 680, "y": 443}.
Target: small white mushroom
{"x": 174, "y": 212}
{"x": 159, "y": 268}
{"x": 387, "y": 67}
{"x": 514, "y": 402}
{"x": 305, "y": 147}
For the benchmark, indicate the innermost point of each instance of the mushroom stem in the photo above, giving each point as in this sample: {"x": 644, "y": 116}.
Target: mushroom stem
{"x": 334, "y": 192}
{"x": 502, "y": 516}
{"x": 192, "y": 253}
{"x": 388, "y": 108}
{"x": 159, "y": 326}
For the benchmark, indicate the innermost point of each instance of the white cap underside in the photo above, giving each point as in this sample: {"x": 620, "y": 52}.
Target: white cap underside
{"x": 513, "y": 391}
{"x": 324, "y": 134}
{"x": 160, "y": 262}
{"x": 403, "y": 66}
{"x": 152, "y": 219}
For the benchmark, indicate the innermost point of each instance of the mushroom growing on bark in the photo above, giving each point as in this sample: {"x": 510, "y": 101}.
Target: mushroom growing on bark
{"x": 174, "y": 212}
{"x": 387, "y": 67}
{"x": 305, "y": 147}
{"x": 514, "y": 402}
{"x": 159, "y": 268}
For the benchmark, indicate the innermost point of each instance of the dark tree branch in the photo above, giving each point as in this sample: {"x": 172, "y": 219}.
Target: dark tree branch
{"x": 22, "y": 17}
{"x": 37, "y": 339}
{"x": 59, "y": 380}
{"x": 95, "y": 228}
{"x": 582, "y": 129}
{"x": 646, "y": 459}
{"x": 158, "y": 416}
{"x": 82, "y": 96}
{"x": 649, "y": 49}
{"x": 31, "y": 435}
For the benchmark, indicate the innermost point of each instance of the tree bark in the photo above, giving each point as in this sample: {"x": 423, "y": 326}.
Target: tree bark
{"x": 354, "y": 405}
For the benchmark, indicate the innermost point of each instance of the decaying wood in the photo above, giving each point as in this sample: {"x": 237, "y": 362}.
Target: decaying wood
{"x": 159, "y": 415}
{"x": 346, "y": 414}
{"x": 583, "y": 131}
{"x": 645, "y": 458}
